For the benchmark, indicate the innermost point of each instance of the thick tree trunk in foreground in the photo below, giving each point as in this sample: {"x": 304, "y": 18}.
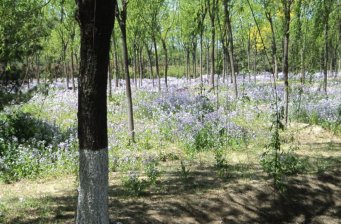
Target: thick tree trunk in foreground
{"x": 96, "y": 24}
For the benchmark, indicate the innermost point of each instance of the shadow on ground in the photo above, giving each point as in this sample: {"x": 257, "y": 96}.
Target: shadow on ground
{"x": 207, "y": 198}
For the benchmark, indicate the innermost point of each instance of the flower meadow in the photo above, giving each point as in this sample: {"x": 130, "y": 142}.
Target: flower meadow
{"x": 39, "y": 137}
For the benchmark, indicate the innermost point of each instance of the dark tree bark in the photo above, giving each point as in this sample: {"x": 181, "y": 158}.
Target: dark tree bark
{"x": 96, "y": 24}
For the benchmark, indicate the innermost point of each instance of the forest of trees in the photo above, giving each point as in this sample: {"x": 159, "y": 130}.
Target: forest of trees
{"x": 97, "y": 47}
{"x": 176, "y": 38}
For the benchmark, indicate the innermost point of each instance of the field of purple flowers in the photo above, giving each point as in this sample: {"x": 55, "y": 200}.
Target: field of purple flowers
{"x": 187, "y": 126}
{"x": 189, "y": 115}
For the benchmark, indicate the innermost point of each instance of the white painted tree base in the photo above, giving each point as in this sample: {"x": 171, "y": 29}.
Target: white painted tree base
{"x": 92, "y": 205}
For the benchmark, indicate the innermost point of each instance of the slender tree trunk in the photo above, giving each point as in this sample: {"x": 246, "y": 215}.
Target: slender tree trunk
{"x": 224, "y": 61}
{"x": 201, "y": 63}
{"x": 273, "y": 46}
{"x": 302, "y": 65}
{"x": 249, "y": 54}
{"x": 73, "y": 70}
{"x": 96, "y": 24}
{"x": 140, "y": 67}
{"x": 164, "y": 46}
{"x": 27, "y": 72}
{"x": 109, "y": 77}
{"x": 66, "y": 74}
{"x": 187, "y": 65}
{"x": 128, "y": 86}
{"x": 230, "y": 37}
{"x": 72, "y": 53}
{"x": 227, "y": 58}
{"x": 212, "y": 51}
{"x": 255, "y": 62}
{"x": 194, "y": 58}
{"x": 149, "y": 53}
{"x": 286, "y": 35}
{"x": 325, "y": 57}
{"x": 117, "y": 68}
{"x": 207, "y": 61}
{"x": 135, "y": 66}
{"x": 38, "y": 69}
{"x": 157, "y": 63}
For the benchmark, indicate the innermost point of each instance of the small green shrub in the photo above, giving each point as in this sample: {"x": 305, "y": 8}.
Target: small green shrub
{"x": 220, "y": 161}
{"x": 134, "y": 184}
{"x": 288, "y": 163}
{"x": 29, "y": 147}
{"x": 184, "y": 171}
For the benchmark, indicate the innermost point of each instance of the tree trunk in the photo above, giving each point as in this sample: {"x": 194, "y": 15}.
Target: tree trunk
{"x": 249, "y": 54}
{"x": 149, "y": 53}
{"x": 325, "y": 57}
{"x": 286, "y": 35}
{"x": 207, "y": 61}
{"x": 109, "y": 77}
{"x": 164, "y": 46}
{"x": 212, "y": 51}
{"x": 157, "y": 63}
{"x": 73, "y": 70}
{"x": 128, "y": 87}
{"x": 230, "y": 37}
{"x": 201, "y": 63}
{"x": 194, "y": 58}
{"x": 37, "y": 69}
{"x": 224, "y": 62}
{"x": 273, "y": 46}
{"x": 96, "y": 24}
{"x": 140, "y": 67}
{"x": 117, "y": 69}
{"x": 135, "y": 67}
{"x": 302, "y": 65}
{"x": 255, "y": 62}
{"x": 187, "y": 65}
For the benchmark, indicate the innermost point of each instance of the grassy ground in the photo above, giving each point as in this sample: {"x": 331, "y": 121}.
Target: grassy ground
{"x": 240, "y": 193}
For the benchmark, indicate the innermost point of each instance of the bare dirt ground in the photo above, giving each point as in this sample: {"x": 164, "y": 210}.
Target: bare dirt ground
{"x": 244, "y": 195}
